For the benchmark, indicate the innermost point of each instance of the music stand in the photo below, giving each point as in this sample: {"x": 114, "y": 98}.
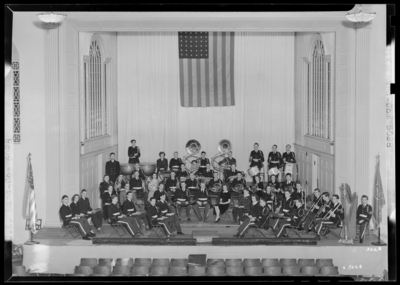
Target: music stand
{"x": 28, "y": 227}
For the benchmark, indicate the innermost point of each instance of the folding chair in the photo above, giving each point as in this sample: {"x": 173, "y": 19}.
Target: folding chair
{"x": 294, "y": 229}
{"x": 327, "y": 229}
{"x": 72, "y": 229}
{"x": 254, "y": 229}
{"x": 156, "y": 229}
{"x": 116, "y": 227}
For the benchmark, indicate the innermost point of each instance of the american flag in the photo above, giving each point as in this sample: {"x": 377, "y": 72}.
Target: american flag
{"x": 206, "y": 69}
{"x": 379, "y": 199}
{"x": 31, "y": 203}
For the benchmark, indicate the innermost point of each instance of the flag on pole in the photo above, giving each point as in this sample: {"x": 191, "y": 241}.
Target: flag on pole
{"x": 206, "y": 69}
{"x": 379, "y": 199}
{"x": 31, "y": 203}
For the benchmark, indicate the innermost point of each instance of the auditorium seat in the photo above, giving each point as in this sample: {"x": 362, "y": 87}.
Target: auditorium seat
{"x": 251, "y": 262}
{"x": 121, "y": 270}
{"x": 88, "y": 262}
{"x": 270, "y": 262}
{"x": 102, "y": 270}
{"x": 124, "y": 262}
{"x": 159, "y": 271}
{"x": 215, "y": 262}
{"x": 87, "y": 270}
{"x": 291, "y": 270}
{"x": 143, "y": 262}
{"x": 233, "y": 262}
{"x": 329, "y": 270}
{"x": 234, "y": 271}
{"x": 253, "y": 270}
{"x": 160, "y": 262}
{"x": 106, "y": 261}
{"x": 178, "y": 271}
{"x": 288, "y": 262}
{"x": 310, "y": 270}
{"x": 306, "y": 262}
{"x": 272, "y": 270}
{"x": 215, "y": 270}
{"x": 19, "y": 271}
{"x": 140, "y": 270}
{"x": 197, "y": 270}
{"x": 324, "y": 262}
{"x": 179, "y": 262}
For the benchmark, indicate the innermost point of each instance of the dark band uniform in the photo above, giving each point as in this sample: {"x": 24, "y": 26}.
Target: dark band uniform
{"x": 269, "y": 198}
{"x": 209, "y": 173}
{"x": 181, "y": 174}
{"x": 129, "y": 208}
{"x": 182, "y": 200}
{"x": 231, "y": 173}
{"x": 211, "y": 183}
{"x": 364, "y": 214}
{"x": 257, "y": 212}
{"x": 295, "y": 220}
{"x": 288, "y": 184}
{"x": 104, "y": 186}
{"x": 155, "y": 216}
{"x": 203, "y": 166}
{"x": 289, "y": 157}
{"x": 175, "y": 164}
{"x": 311, "y": 216}
{"x": 134, "y": 184}
{"x": 162, "y": 165}
{"x": 287, "y": 210}
{"x": 201, "y": 197}
{"x": 157, "y": 195}
{"x": 274, "y": 159}
{"x": 84, "y": 207}
{"x": 112, "y": 169}
{"x": 237, "y": 181}
{"x": 66, "y": 216}
{"x": 243, "y": 208}
{"x": 339, "y": 215}
{"x": 131, "y": 154}
{"x": 259, "y": 187}
{"x": 129, "y": 222}
{"x": 257, "y": 155}
{"x": 190, "y": 184}
{"x": 222, "y": 197}
{"x": 229, "y": 162}
{"x": 298, "y": 194}
{"x": 106, "y": 199}
{"x": 141, "y": 173}
{"x": 165, "y": 209}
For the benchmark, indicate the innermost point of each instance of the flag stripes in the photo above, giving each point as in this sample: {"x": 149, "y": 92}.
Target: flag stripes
{"x": 208, "y": 82}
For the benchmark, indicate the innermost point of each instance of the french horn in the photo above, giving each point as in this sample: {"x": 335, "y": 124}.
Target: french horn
{"x": 193, "y": 147}
{"x": 224, "y": 146}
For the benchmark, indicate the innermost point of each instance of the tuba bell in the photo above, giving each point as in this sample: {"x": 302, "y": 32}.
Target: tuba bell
{"x": 224, "y": 146}
{"x": 191, "y": 161}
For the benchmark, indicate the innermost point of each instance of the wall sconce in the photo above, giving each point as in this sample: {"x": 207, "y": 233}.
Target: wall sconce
{"x": 360, "y": 17}
{"x": 51, "y": 19}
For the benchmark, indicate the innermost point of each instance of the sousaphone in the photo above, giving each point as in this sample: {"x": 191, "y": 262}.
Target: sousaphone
{"x": 219, "y": 162}
{"x": 192, "y": 164}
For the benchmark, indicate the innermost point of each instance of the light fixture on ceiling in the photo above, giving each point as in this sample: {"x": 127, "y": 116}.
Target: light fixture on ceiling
{"x": 51, "y": 18}
{"x": 360, "y": 16}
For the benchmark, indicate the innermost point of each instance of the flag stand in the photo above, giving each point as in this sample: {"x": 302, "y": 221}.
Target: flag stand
{"x": 379, "y": 239}
{"x": 28, "y": 227}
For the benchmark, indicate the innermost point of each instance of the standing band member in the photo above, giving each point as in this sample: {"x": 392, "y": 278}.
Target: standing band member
{"x": 364, "y": 213}
{"x": 203, "y": 160}
{"x": 84, "y": 208}
{"x": 293, "y": 220}
{"x": 274, "y": 158}
{"x": 67, "y": 218}
{"x": 201, "y": 200}
{"x": 112, "y": 168}
{"x": 318, "y": 201}
{"x": 288, "y": 156}
{"x": 133, "y": 153}
{"x": 175, "y": 163}
{"x": 335, "y": 214}
{"x": 256, "y": 158}
{"x": 129, "y": 210}
{"x": 182, "y": 199}
{"x": 243, "y": 207}
{"x": 162, "y": 163}
{"x": 115, "y": 216}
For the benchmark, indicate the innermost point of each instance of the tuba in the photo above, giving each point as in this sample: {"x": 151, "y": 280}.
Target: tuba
{"x": 191, "y": 161}
{"x": 224, "y": 146}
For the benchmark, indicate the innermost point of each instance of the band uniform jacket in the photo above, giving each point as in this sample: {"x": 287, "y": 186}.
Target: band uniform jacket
{"x": 131, "y": 152}
{"x": 228, "y": 161}
{"x": 297, "y": 215}
{"x": 141, "y": 173}
{"x": 135, "y": 183}
{"x": 153, "y": 213}
{"x": 231, "y": 173}
{"x": 208, "y": 173}
{"x": 257, "y": 155}
{"x": 274, "y": 159}
{"x": 65, "y": 214}
{"x": 235, "y": 182}
{"x": 270, "y": 202}
{"x": 288, "y": 184}
{"x": 163, "y": 208}
{"x": 289, "y": 157}
{"x": 175, "y": 164}
{"x": 74, "y": 209}
{"x": 162, "y": 165}
{"x": 191, "y": 183}
{"x": 84, "y": 205}
{"x": 296, "y": 194}
{"x": 212, "y": 182}
{"x": 171, "y": 183}
{"x": 326, "y": 206}
{"x": 263, "y": 215}
{"x": 255, "y": 210}
{"x": 339, "y": 213}
{"x": 364, "y": 213}
{"x": 104, "y": 186}
{"x": 319, "y": 201}
{"x": 106, "y": 197}
{"x": 158, "y": 193}
{"x": 112, "y": 169}
{"x": 113, "y": 212}
{"x": 181, "y": 174}
{"x": 181, "y": 195}
{"x": 201, "y": 195}
{"x": 128, "y": 208}
{"x": 287, "y": 207}
{"x": 203, "y": 162}
{"x": 245, "y": 203}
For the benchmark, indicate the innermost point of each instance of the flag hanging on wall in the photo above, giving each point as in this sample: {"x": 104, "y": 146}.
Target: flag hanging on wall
{"x": 206, "y": 69}
{"x": 379, "y": 199}
{"x": 31, "y": 203}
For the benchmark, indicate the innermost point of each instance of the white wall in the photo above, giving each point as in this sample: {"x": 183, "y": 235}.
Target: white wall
{"x": 28, "y": 37}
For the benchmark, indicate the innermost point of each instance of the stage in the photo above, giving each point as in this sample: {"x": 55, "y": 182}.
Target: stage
{"x": 56, "y": 254}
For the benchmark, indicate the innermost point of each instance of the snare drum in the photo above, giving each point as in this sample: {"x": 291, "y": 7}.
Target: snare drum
{"x": 274, "y": 171}
{"x": 254, "y": 171}
{"x": 289, "y": 168}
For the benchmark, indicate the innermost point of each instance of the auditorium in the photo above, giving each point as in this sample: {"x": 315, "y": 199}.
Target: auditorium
{"x": 203, "y": 143}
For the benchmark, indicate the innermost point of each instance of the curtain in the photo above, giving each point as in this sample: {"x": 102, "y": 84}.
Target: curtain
{"x": 149, "y": 107}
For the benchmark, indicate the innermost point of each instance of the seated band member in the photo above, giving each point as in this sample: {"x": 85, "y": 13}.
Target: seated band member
{"x": 112, "y": 168}
{"x": 175, "y": 163}
{"x": 270, "y": 198}
{"x": 364, "y": 213}
{"x": 141, "y": 172}
{"x": 231, "y": 174}
{"x": 229, "y": 160}
{"x": 84, "y": 208}
{"x": 123, "y": 192}
{"x": 136, "y": 184}
{"x": 192, "y": 184}
{"x": 293, "y": 220}
{"x": 80, "y": 217}
{"x": 317, "y": 203}
{"x": 161, "y": 191}
{"x": 106, "y": 201}
{"x": 133, "y": 153}
{"x": 288, "y": 182}
{"x": 298, "y": 192}
{"x": 203, "y": 161}
{"x": 254, "y": 216}
{"x": 213, "y": 181}
{"x": 165, "y": 210}
{"x": 332, "y": 217}
{"x": 284, "y": 211}
{"x": 115, "y": 216}
{"x": 172, "y": 184}
{"x": 153, "y": 185}
{"x": 182, "y": 174}
{"x": 243, "y": 207}
{"x": 238, "y": 180}
{"x": 201, "y": 200}
{"x": 258, "y": 186}
{"x": 105, "y": 184}
{"x": 274, "y": 158}
{"x": 208, "y": 172}
{"x": 129, "y": 209}
{"x": 288, "y": 156}
{"x": 224, "y": 200}
{"x": 182, "y": 199}
{"x": 67, "y": 218}
{"x": 276, "y": 187}
{"x": 118, "y": 183}
{"x": 162, "y": 163}
{"x": 156, "y": 217}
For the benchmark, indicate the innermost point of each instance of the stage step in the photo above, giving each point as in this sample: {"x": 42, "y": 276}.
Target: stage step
{"x": 203, "y": 236}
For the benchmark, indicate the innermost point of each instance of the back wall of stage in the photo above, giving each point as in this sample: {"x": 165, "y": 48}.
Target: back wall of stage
{"x": 149, "y": 108}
